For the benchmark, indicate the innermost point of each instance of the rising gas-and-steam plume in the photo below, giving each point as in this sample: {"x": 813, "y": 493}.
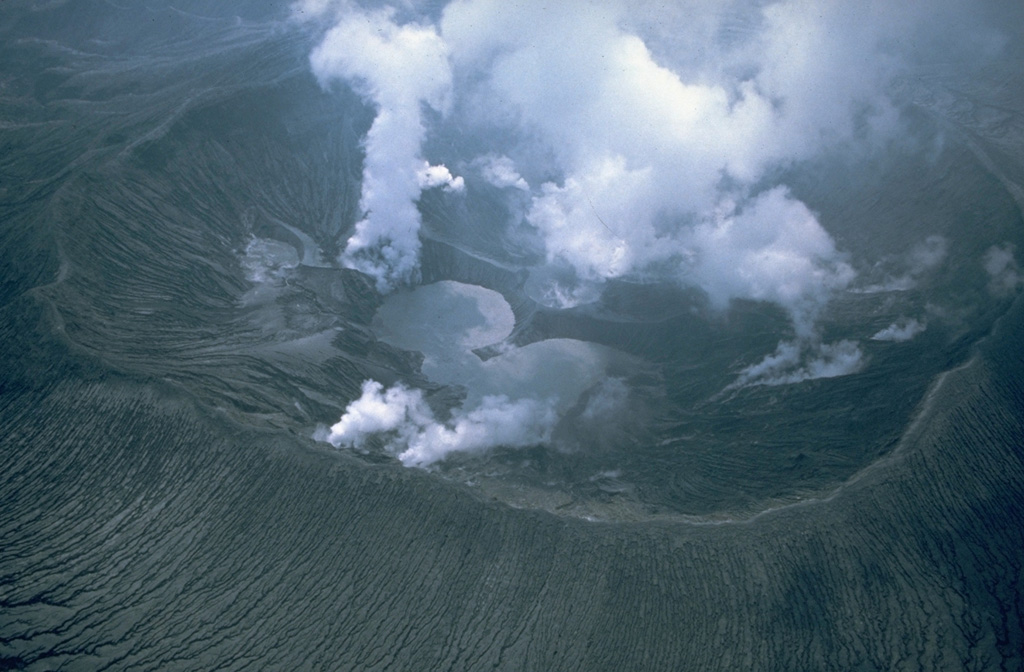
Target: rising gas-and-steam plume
{"x": 647, "y": 141}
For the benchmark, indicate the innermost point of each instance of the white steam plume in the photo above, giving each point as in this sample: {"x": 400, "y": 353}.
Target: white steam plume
{"x": 795, "y": 362}
{"x": 398, "y": 68}
{"x": 663, "y": 126}
{"x": 500, "y": 171}
{"x": 659, "y": 164}
{"x": 662, "y": 157}
{"x": 515, "y": 398}
{"x": 645, "y": 136}
{"x": 900, "y": 331}
{"x": 418, "y": 439}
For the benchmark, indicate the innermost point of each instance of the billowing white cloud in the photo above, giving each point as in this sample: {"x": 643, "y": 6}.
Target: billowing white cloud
{"x": 439, "y": 176}
{"x": 657, "y": 163}
{"x": 399, "y": 68}
{"x": 655, "y": 120}
{"x": 513, "y": 399}
{"x": 496, "y": 421}
{"x": 772, "y": 250}
{"x": 900, "y": 331}
{"x": 500, "y": 171}
{"x": 412, "y": 433}
{"x": 642, "y": 141}
{"x": 397, "y": 409}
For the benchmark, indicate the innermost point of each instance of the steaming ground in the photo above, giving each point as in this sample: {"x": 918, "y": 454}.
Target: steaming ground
{"x": 514, "y": 399}
{"x": 657, "y": 452}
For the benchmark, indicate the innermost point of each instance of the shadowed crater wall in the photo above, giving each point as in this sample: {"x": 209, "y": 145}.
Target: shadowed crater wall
{"x": 175, "y": 191}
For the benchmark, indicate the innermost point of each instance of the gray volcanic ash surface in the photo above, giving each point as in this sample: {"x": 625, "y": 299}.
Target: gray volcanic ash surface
{"x": 463, "y": 336}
